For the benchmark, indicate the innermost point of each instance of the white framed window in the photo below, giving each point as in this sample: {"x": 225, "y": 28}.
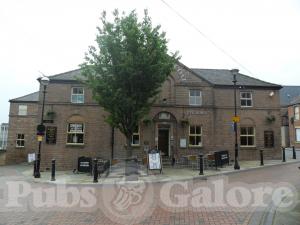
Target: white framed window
{"x": 75, "y": 134}
{"x": 135, "y": 139}
{"x": 296, "y": 113}
{"x": 195, "y": 97}
{"x": 297, "y": 132}
{"x": 195, "y": 136}
{"x": 247, "y": 136}
{"x": 77, "y": 95}
{"x": 246, "y": 99}
{"x": 20, "y": 141}
{"x": 22, "y": 110}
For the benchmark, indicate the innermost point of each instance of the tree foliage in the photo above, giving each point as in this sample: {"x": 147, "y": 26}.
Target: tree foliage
{"x": 127, "y": 67}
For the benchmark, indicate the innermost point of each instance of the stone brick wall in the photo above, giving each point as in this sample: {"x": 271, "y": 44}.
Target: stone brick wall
{"x": 21, "y": 125}
{"x": 214, "y": 116}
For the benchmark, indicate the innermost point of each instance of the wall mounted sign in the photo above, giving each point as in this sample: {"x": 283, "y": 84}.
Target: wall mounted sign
{"x": 196, "y": 112}
{"x": 182, "y": 143}
{"x": 51, "y": 135}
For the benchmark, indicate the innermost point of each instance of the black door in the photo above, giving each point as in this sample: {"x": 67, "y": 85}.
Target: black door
{"x": 163, "y": 141}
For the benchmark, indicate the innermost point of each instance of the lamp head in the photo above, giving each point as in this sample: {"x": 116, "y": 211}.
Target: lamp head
{"x": 43, "y": 81}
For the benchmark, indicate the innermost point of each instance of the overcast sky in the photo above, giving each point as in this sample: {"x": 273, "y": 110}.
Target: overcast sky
{"x": 52, "y": 37}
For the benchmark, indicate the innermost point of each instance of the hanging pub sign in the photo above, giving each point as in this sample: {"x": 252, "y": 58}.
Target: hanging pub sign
{"x": 154, "y": 160}
{"x": 51, "y": 135}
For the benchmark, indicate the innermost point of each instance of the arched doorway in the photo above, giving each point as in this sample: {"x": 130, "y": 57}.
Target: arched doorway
{"x": 165, "y": 132}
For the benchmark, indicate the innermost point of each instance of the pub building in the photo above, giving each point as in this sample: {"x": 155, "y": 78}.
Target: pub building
{"x": 192, "y": 115}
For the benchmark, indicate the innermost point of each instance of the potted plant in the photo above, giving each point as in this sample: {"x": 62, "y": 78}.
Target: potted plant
{"x": 270, "y": 118}
{"x": 51, "y": 115}
{"x": 184, "y": 122}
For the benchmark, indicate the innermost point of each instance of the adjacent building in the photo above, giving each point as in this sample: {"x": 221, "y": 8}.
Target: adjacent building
{"x": 193, "y": 114}
{"x": 294, "y": 122}
{"x": 289, "y": 96}
{"x": 3, "y": 136}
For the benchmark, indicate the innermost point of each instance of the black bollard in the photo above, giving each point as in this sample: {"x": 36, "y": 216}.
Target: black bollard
{"x": 261, "y": 157}
{"x": 201, "y": 164}
{"x": 53, "y": 170}
{"x": 283, "y": 154}
{"x": 34, "y": 167}
{"x": 95, "y": 171}
{"x": 294, "y": 153}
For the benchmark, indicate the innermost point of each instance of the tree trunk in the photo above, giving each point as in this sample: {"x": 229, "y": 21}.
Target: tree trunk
{"x": 128, "y": 148}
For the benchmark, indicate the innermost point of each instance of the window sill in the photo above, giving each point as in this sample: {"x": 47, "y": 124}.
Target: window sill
{"x": 74, "y": 145}
{"x": 195, "y": 146}
{"x": 20, "y": 146}
{"x": 242, "y": 107}
{"x": 135, "y": 146}
{"x": 248, "y": 147}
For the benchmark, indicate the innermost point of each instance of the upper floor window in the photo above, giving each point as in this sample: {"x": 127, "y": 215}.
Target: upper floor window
{"x": 75, "y": 133}
{"x": 296, "y": 113}
{"x": 77, "y": 95}
{"x": 135, "y": 139}
{"x": 247, "y": 136}
{"x": 20, "y": 142}
{"x": 246, "y": 99}
{"x": 195, "y": 97}
{"x": 195, "y": 136}
{"x": 22, "y": 110}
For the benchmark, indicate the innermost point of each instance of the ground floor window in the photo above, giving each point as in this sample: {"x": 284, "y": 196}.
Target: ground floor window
{"x": 247, "y": 136}
{"x": 75, "y": 133}
{"x": 20, "y": 142}
{"x": 195, "y": 136}
{"x": 135, "y": 139}
{"x": 269, "y": 139}
{"x": 297, "y": 134}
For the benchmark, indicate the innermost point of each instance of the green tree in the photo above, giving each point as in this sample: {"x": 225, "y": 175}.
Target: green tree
{"x": 127, "y": 68}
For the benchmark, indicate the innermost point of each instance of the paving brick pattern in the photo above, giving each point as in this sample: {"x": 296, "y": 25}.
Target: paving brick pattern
{"x": 160, "y": 215}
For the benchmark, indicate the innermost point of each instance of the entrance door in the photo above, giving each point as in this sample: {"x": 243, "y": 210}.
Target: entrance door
{"x": 163, "y": 141}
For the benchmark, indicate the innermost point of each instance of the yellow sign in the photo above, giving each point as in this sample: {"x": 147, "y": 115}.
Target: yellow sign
{"x": 40, "y": 138}
{"x": 236, "y": 119}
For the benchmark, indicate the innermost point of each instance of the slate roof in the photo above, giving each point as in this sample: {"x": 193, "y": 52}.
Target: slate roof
{"x": 224, "y": 77}
{"x": 296, "y": 100}
{"x": 68, "y": 76}
{"x": 289, "y": 95}
{"x": 33, "y": 97}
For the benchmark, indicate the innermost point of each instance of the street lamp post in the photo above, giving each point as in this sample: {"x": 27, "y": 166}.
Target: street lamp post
{"x": 236, "y": 147}
{"x": 44, "y": 81}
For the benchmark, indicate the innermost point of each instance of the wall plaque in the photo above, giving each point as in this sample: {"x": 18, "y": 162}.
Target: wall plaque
{"x": 51, "y": 135}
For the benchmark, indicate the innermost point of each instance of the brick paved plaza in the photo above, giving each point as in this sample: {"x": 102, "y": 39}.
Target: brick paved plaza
{"x": 151, "y": 208}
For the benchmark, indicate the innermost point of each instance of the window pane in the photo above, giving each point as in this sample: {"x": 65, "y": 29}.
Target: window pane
{"x": 22, "y": 110}
{"x": 250, "y": 141}
{"x": 250, "y": 131}
{"x": 135, "y": 139}
{"x": 249, "y": 103}
{"x": 198, "y": 140}
{"x": 198, "y": 130}
{"x": 243, "y": 130}
{"x": 192, "y": 129}
{"x": 243, "y": 103}
{"x": 243, "y": 140}
{"x": 192, "y": 140}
